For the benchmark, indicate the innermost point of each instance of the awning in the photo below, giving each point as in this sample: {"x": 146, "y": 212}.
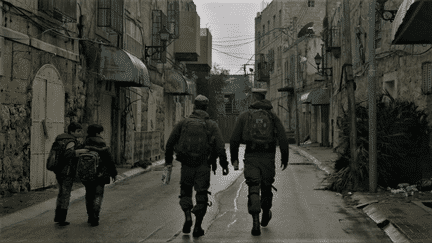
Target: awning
{"x": 412, "y": 23}
{"x": 191, "y": 86}
{"x": 120, "y": 66}
{"x": 316, "y": 97}
{"x": 175, "y": 83}
{"x": 287, "y": 88}
{"x": 320, "y": 97}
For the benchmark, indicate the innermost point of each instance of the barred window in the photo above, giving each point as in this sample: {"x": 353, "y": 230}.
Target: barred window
{"x": 427, "y": 78}
{"x": 311, "y": 3}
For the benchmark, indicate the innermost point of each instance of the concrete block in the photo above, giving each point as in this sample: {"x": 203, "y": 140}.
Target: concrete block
{"x": 377, "y": 216}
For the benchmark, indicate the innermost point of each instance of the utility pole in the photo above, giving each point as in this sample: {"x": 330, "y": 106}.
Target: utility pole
{"x": 296, "y": 81}
{"x": 349, "y": 81}
{"x": 373, "y": 174}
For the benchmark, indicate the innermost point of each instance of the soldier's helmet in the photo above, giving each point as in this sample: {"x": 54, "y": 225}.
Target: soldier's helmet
{"x": 201, "y": 100}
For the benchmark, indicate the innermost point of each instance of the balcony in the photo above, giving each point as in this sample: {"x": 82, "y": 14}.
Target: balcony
{"x": 187, "y": 47}
{"x": 263, "y": 72}
{"x": 204, "y": 62}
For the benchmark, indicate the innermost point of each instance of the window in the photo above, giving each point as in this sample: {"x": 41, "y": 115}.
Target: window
{"x": 263, "y": 35}
{"x": 259, "y": 38}
{"x": 173, "y": 18}
{"x": 378, "y": 32}
{"x": 427, "y": 78}
{"x": 274, "y": 26}
{"x": 110, "y": 14}
{"x": 311, "y": 3}
{"x": 268, "y": 31}
{"x": 159, "y": 20}
{"x": 62, "y": 10}
{"x": 280, "y": 18}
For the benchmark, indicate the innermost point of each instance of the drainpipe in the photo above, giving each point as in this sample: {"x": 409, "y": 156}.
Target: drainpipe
{"x": 373, "y": 174}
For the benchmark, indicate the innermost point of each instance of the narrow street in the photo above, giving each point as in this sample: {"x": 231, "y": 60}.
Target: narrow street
{"x": 143, "y": 210}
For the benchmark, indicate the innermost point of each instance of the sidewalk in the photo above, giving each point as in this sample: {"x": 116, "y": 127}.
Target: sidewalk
{"x": 404, "y": 219}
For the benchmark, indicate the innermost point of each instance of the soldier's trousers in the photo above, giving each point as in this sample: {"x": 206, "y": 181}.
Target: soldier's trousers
{"x": 259, "y": 174}
{"x": 199, "y": 179}
{"x": 65, "y": 187}
{"x": 93, "y": 197}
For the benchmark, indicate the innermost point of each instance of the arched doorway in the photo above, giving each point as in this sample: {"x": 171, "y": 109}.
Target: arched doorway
{"x": 47, "y": 122}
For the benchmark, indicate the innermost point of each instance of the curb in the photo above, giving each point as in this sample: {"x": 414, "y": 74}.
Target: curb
{"x": 312, "y": 158}
{"x": 367, "y": 206}
{"x": 78, "y": 194}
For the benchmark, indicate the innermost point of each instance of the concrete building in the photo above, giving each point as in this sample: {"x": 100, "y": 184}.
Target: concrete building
{"x": 92, "y": 61}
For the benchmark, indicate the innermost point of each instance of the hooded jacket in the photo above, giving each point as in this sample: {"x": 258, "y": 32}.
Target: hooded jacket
{"x": 107, "y": 166}
{"x": 270, "y": 151}
{"x": 217, "y": 144}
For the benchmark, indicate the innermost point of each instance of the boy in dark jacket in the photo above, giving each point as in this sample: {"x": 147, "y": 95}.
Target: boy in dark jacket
{"x": 106, "y": 169}
{"x": 195, "y": 172}
{"x": 66, "y": 174}
{"x": 259, "y": 161}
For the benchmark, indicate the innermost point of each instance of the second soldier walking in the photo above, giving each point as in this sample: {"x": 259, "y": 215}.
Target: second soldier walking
{"x": 193, "y": 140}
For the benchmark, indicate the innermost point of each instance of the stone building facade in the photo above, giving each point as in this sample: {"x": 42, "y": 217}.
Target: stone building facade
{"x": 401, "y": 69}
{"x": 288, "y": 36}
{"x": 62, "y": 61}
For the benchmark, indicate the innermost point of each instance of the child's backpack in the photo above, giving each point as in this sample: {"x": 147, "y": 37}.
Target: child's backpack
{"x": 259, "y": 128}
{"x": 87, "y": 169}
{"x": 194, "y": 138}
{"x": 56, "y": 155}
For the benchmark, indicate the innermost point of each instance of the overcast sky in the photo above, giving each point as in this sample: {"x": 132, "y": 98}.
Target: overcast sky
{"x": 232, "y": 25}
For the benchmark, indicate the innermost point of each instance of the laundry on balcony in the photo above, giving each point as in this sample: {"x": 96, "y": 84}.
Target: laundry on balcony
{"x": 120, "y": 66}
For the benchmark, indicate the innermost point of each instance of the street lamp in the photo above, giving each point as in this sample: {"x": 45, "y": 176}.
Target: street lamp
{"x": 318, "y": 60}
{"x": 164, "y": 35}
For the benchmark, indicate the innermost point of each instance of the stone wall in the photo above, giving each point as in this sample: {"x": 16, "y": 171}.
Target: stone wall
{"x": 22, "y": 64}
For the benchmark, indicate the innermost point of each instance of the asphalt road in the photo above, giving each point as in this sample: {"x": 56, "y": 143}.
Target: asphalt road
{"x": 143, "y": 210}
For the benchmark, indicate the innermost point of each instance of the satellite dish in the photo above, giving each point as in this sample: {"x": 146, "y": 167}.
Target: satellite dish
{"x": 306, "y": 30}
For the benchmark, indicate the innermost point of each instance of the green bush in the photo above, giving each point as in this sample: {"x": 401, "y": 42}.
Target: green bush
{"x": 402, "y": 146}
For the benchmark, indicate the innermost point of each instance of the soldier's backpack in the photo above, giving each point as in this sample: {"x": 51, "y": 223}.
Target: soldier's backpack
{"x": 55, "y": 157}
{"x": 87, "y": 169}
{"x": 194, "y": 138}
{"x": 259, "y": 129}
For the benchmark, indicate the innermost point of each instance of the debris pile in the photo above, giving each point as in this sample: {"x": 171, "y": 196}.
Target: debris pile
{"x": 405, "y": 189}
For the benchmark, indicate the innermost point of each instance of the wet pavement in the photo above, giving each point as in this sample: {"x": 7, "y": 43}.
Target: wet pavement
{"x": 403, "y": 219}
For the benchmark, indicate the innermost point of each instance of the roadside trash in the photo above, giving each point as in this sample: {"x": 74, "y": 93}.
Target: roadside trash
{"x": 349, "y": 193}
{"x": 401, "y": 185}
{"x": 425, "y": 184}
{"x": 338, "y": 194}
{"x": 405, "y": 189}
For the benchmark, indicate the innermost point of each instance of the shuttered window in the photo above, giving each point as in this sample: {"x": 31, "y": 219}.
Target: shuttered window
{"x": 173, "y": 18}
{"x": 427, "y": 78}
{"x": 110, "y": 14}
{"x": 159, "y": 21}
{"x": 63, "y": 10}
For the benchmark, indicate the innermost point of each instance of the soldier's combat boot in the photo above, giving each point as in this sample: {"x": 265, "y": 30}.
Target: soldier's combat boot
{"x": 198, "y": 231}
{"x": 60, "y": 217}
{"x": 267, "y": 215}
{"x": 188, "y": 222}
{"x": 256, "y": 228}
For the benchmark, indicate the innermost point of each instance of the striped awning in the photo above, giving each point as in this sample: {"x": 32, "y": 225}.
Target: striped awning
{"x": 176, "y": 84}
{"x": 412, "y": 23}
{"x": 320, "y": 97}
{"x": 120, "y": 66}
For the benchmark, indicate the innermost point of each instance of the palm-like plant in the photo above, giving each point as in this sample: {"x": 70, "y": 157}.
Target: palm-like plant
{"x": 402, "y": 146}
